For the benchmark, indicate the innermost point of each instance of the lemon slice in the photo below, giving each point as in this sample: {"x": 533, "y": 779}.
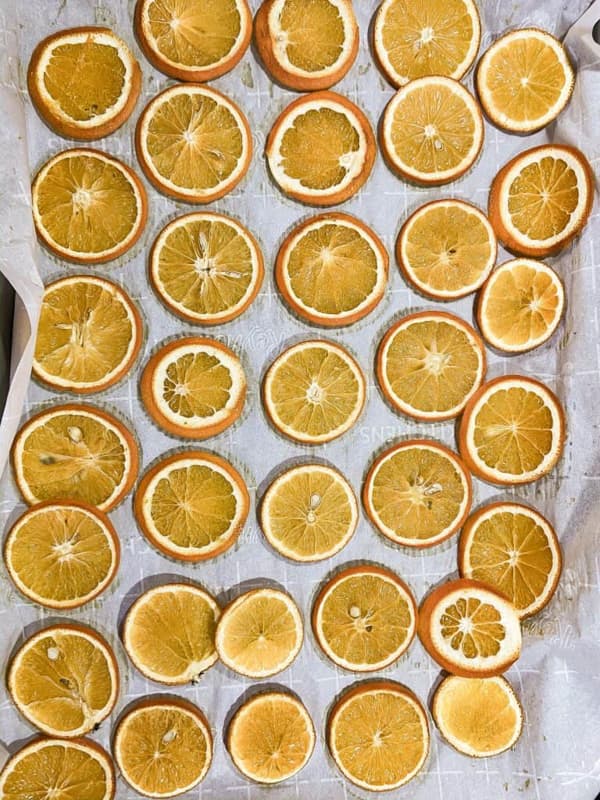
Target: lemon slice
{"x": 64, "y": 680}
{"x": 332, "y": 270}
{"x": 62, "y": 555}
{"x": 88, "y": 207}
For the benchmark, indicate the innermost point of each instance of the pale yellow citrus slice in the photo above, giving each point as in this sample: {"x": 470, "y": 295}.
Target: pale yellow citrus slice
{"x": 62, "y": 555}
{"x": 513, "y": 549}
{"x": 446, "y": 249}
{"x": 429, "y": 364}
{"x": 206, "y": 267}
{"x": 64, "y": 680}
{"x": 309, "y": 513}
{"x": 378, "y": 735}
{"x": 163, "y": 746}
{"x": 417, "y": 493}
{"x": 271, "y": 737}
{"x": 169, "y": 633}
{"x": 432, "y": 131}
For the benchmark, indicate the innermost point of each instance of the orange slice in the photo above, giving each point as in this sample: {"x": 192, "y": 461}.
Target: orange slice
{"x": 429, "y": 364}
{"x": 193, "y": 143}
{"x": 332, "y": 270}
{"x": 541, "y": 199}
{"x": 206, "y": 267}
{"x": 512, "y": 431}
{"x": 417, "y": 493}
{"x": 378, "y": 736}
{"x": 446, "y": 249}
{"x": 84, "y": 82}
{"x": 513, "y": 549}
{"x": 321, "y": 149}
{"x": 432, "y": 131}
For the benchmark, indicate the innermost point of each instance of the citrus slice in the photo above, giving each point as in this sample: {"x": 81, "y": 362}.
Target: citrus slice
{"x": 364, "y": 618}
{"x": 62, "y": 555}
{"x": 541, "y": 199}
{"x": 417, "y": 493}
{"x": 192, "y": 505}
{"x": 432, "y": 131}
{"x": 84, "y": 82}
{"x": 271, "y": 737}
{"x": 446, "y": 249}
{"x": 194, "y": 387}
{"x": 260, "y": 633}
{"x": 58, "y": 768}
{"x": 163, "y": 747}
{"x": 512, "y": 431}
{"x": 307, "y": 46}
{"x": 513, "y": 549}
{"x": 88, "y": 207}
{"x": 193, "y": 143}
{"x": 321, "y": 149}
{"x": 332, "y": 270}
{"x": 429, "y": 364}
{"x": 470, "y": 629}
{"x": 440, "y": 37}
{"x": 309, "y": 513}
{"x": 169, "y": 633}
{"x": 193, "y": 40}
{"x": 378, "y": 736}
{"x": 206, "y": 267}
{"x": 520, "y": 306}
{"x": 524, "y": 80}
{"x": 88, "y": 337}
{"x": 64, "y": 680}
{"x": 480, "y": 717}
{"x": 75, "y": 452}
{"x": 314, "y": 391}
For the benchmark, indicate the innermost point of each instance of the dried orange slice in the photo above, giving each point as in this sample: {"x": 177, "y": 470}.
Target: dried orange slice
{"x": 88, "y": 207}
{"x": 512, "y": 430}
{"x": 194, "y": 387}
{"x": 260, "y": 633}
{"x": 169, "y": 633}
{"x": 84, "y": 82}
{"x": 206, "y": 267}
{"x": 309, "y": 513}
{"x": 307, "y": 46}
{"x": 432, "y": 131}
{"x": 192, "y": 505}
{"x": 417, "y": 493}
{"x": 193, "y": 40}
{"x": 480, "y": 717}
{"x": 520, "y": 306}
{"x": 64, "y": 680}
{"x": 378, "y": 736}
{"x": 524, "y": 80}
{"x": 332, "y": 270}
{"x": 364, "y": 618}
{"x": 429, "y": 364}
{"x": 321, "y": 149}
{"x": 470, "y": 629}
{"x": 163, "y": 747}
{"x": 193, "y": 143}
{"x": 446, "y": 249}
{"x": 513, "y": 549}
{"x": 314, "y": 392}
{"x": 62, "y": 555}
{"x": 58, "y": 768}
{"x": 89, "y": 335}
{"x": 271, "y": 737}
{"x": 440, "y": 37}
{"x": 75, "y": 452}
{"x": 541, "y": 199}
